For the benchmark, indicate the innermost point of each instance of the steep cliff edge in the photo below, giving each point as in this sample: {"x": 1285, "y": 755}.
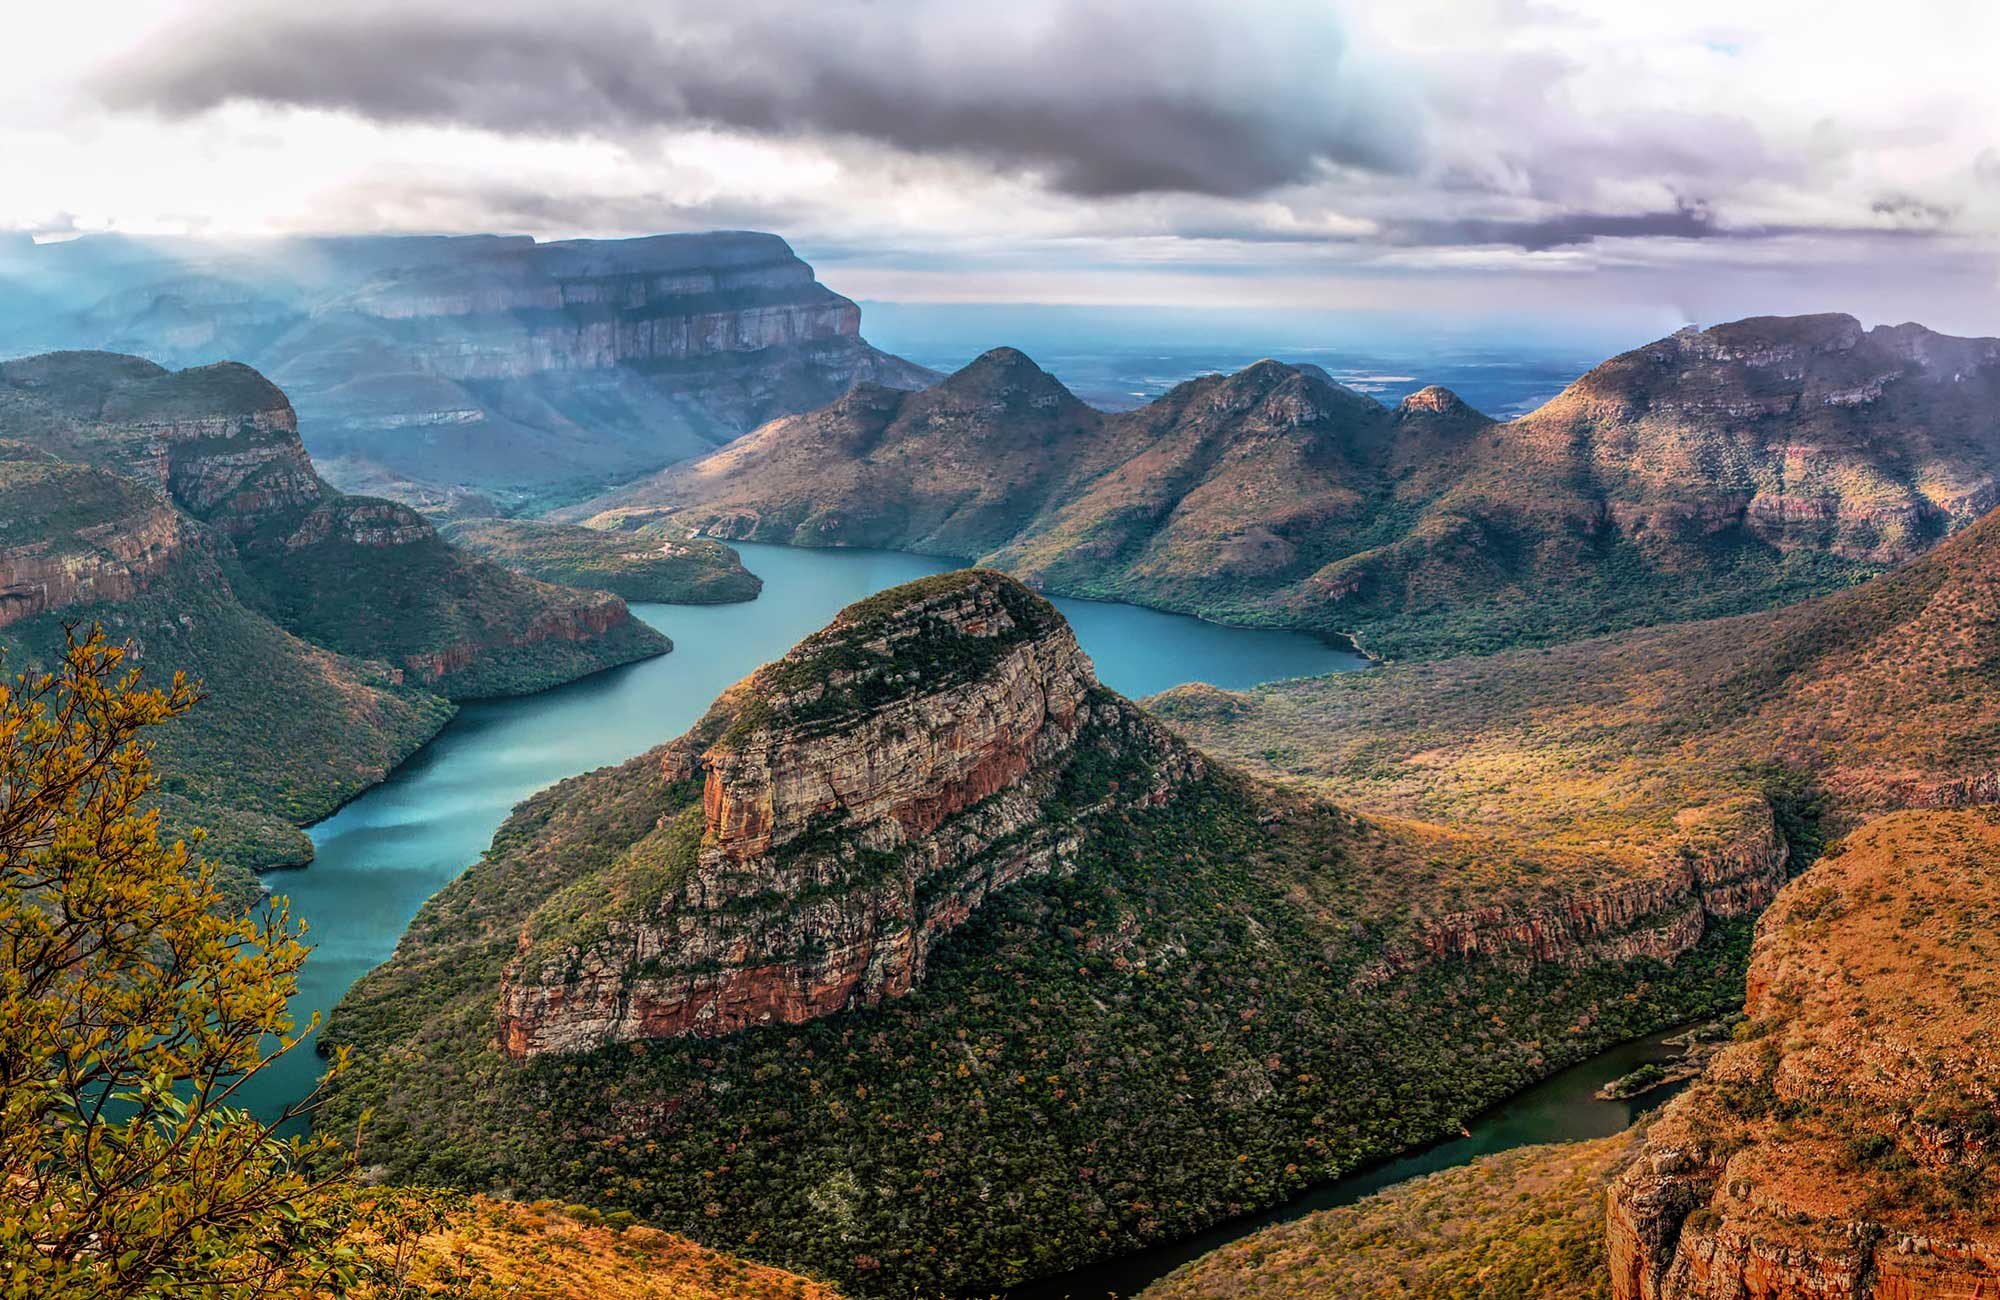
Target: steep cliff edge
{"x": 1845, "y": 1146}
{"x": 529, "y": 371}
{"x": 861, "y": 798}
{"x": 181, "y": 512}
{"x": 926, "y": 963}
{"x": 363, "y": 577}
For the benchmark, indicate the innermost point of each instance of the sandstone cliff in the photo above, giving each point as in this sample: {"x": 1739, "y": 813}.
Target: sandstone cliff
{"x": 423, "y": 366}
{"x": 73, "y": 535}
{"x": 357, "y": 575}
{"x": 861, "y": 798}
{"x": 1845, "y": 1146}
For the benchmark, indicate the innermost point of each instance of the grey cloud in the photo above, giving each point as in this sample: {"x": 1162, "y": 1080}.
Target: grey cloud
{"x": 1535, "y": 235}
{"x": 1093, "y": 97}
{"x": 1909, "y": 210}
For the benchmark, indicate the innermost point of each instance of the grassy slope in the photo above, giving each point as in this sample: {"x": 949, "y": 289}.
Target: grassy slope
{"x": 1172, "y": 1035}
{"x": 1526, "y": 1224}
{"x": 1861, "y": 1090}
{"x": 494, "y": 1250}
{"x": 287, "y": 731}
{"x": 652, "y": 565}
{"x": 427, "y": 597}
{"x": 1870, "y": 699}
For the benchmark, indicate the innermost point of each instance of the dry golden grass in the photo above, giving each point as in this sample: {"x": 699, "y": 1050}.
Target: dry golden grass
{"x": 1866, "y": 1086}
{"x": 502, "y": 1249}
{"x": 1526, "y": 1224}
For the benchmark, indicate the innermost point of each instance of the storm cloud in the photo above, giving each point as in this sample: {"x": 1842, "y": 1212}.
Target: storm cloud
{"x": 1090, "y": 98}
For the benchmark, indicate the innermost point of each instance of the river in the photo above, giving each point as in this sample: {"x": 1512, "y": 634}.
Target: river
{"x": 1561, "y": 1108}
{"x": 382, "y": 855}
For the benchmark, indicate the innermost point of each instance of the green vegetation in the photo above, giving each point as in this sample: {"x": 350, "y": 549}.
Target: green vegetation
{"x": 652, "y": 564}
{"x": 286, "y": 733}
{"x": 127, "y": 976}
{"x": 418, "y": 602}
{"x": 1699, "y": 477}
{"x": 1526, "y": 1224}
{"x": 1180, "y": 1031}
{"x": 124, "y": 976}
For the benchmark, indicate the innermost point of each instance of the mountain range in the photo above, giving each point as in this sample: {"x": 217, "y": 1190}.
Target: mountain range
{"x": 1710, "y": 473}
{"x": 455, "y": 373}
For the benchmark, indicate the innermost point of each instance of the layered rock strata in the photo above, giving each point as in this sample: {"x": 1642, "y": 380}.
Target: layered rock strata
{"x": 861, "y": 798}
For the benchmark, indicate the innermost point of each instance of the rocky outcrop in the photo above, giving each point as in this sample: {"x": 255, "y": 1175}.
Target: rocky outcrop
{"x": 591, "y": 615}
{"x": 114, "y": 560}
{"x": 528, "y": 369}
{"x": 1734, "y": 870}
{"x": 861, "y": 798}
{"x": 1845, "y": 1147}
{"x": 361, "y": 521}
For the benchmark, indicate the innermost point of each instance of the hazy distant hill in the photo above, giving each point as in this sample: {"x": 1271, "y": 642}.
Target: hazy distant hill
{"x": 425, "y": 367}
{"x": 1705, "y": 474}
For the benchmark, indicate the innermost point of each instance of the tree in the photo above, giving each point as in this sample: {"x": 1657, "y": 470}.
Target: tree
{"x": 133, "y": 1005}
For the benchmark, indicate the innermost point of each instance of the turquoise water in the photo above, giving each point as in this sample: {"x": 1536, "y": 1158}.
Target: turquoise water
{"x": 382, "y": 855}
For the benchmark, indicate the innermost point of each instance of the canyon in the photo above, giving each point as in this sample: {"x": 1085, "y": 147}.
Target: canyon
{"x": 1710, "y": 473}
{"x": 180, "y": 511}
{"x": 1843, "y": 1145}
{"x": 454, "y": 373}
{"x": 921, "y": 887}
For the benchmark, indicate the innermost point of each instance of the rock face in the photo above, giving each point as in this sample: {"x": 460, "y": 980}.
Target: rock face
{"x": 425, "y": 367}
{"x": 75, "y": 536}
{"x": 1700, "y": 880}
{"x": 1849, "y": 1145}
{"x": 1713, "y": 472}
{"x": 860, "y": 799}
{"x": 363, "y": 576}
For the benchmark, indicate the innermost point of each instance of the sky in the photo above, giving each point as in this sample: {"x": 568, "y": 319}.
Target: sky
{"x": 1652, "y": 163}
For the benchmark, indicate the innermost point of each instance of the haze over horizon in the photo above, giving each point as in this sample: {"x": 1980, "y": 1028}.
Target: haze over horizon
{"x": 1555, "y": 165}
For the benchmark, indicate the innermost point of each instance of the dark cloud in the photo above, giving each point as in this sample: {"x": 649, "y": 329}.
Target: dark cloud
{"x": 1909, "y": 210}
{"x": 1093, "y": 97}
{"x": 1535, "y": 235}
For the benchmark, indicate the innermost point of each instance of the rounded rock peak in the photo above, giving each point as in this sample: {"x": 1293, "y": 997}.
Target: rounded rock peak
{"x": 1433, "y": 399}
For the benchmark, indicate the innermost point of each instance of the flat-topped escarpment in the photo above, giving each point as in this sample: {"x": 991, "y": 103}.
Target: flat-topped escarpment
{"x": 861, "y": 797}
{"x": 1844, "y": 1146}
{"x": 922, "y": 887}
{"x": 179, "y": 509}
{"x": 220, "y": 440}
{"x": 441, "y": 369}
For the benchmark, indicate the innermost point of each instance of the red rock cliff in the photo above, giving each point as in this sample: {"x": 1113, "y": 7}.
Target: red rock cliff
{"x": 861, "y": 798}
{"x": 1849, "y": 1145}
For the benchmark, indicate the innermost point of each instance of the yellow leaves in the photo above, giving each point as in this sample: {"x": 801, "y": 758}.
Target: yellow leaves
{"x": 132, "y": 1002}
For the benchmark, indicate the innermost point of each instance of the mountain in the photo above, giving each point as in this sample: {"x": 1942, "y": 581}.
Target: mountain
{"x": 1707, "y": 474}
{"x": 925, "y": 963}
{"x": 436, "y": 370}
{"x": 180, "y": 510}
{"x": 650, "y": 565}
{"x": 1841, "y": 1146}
{"x": 1839, "y": 709}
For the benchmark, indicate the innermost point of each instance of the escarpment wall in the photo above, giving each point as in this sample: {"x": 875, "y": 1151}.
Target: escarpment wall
{"x": 110, "y": 561}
